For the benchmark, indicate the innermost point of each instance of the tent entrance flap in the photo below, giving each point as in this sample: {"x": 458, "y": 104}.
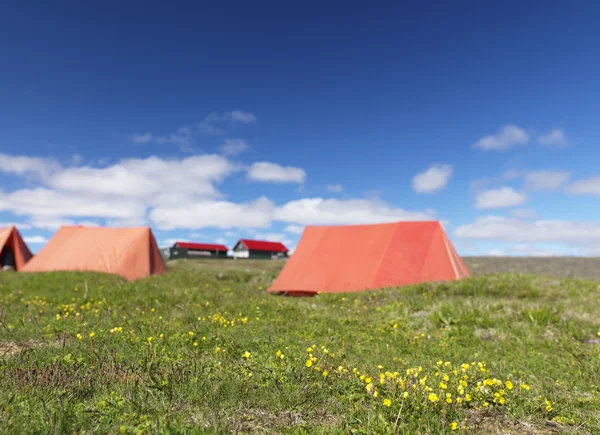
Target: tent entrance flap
{"x": 14, "y": 252}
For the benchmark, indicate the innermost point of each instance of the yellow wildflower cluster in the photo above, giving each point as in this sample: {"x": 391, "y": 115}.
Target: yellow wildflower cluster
{"x": 467, "y": 385}
{"x": 312, "y": 359}
{"x": 221, "y": 320}
{"x": 116, "y": 329}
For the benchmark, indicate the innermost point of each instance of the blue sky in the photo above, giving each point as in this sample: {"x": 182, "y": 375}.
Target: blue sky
{"x": 213, "y": 122}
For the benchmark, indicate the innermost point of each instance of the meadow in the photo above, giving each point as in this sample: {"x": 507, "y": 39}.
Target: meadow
{"x": 204, "y": 349}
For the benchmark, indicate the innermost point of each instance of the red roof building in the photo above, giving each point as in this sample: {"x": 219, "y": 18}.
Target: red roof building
{"x": 195, "y": 250}
{"x": 201, "y": 246}
{"x": 259, "y": 249}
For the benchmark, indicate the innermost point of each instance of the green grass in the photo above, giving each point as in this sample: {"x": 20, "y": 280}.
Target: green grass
{"x": 143, "y": 371}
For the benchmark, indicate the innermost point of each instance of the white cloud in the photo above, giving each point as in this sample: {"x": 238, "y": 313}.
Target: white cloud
{"x": 230, "y": 234}
{"x": 507, "y": 137}
{"x": 499, "y": 198}
{"x": 121, "y": 193}
{"x": 231, "y": 118}
{"x": 274, "y": 173}
{"x": 221, "y": 241}
{"x": 588, "y": 186}
{"x": 433, "y": 179}
{"x": 556, "y": 138}
{"x": 319, "y": 211}
{"x": 24, "y": 165}
{"x": 523, "y": 213}
{"x": 141, "y": 138}
{"x": 182, "y": 138}
{"x": 233, "y": 147}
{"x": 294, "y": 229}
{"x": 335, "y": 188}
{"x": 35, "y": 240}
{"x": 217, "y": 214}
{"x": 45, "y": 202}
{"x": 545, "y": 180}
{"x": 241, "y": 117}
{"x": 504, "y": 229}
{"x": 152, "y": 179}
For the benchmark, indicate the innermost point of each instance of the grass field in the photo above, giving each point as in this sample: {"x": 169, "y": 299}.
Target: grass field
{"x": 204, "y": 349}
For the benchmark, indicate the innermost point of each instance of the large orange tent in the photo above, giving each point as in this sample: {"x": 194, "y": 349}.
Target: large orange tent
{"x": 337, "y": 259}
{"x": 13, "y": 249}
{"x": 129, "y": 252}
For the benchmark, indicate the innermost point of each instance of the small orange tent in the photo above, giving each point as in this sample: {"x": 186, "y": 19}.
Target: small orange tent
{"x": 129, "y": 252}
{"x": 13, "y": 245}
{"x": 337, "y": 259}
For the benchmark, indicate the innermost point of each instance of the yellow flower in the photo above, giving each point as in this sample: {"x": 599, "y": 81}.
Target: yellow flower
{"x": 548, "y": 405}
{"x": 79, "y": 336}
{"x": 440, "y": 362}
{"x": 454, "y": 425}
{"x": 446, "y": 378}
{"x": 92, "y": 334}
{"x": 149, "y": 339}
{"x": 58, "y": 317}
{"x": 468, "y": 398}
{"x": 433, "y": 397}
{"x": 525, "y": 386}
{"x": 443, "y": 386}
{"x": 387, "y": 402}
{"x": 191, "y": 333}
{"x": 368, "y": 380}
{"x": 405, "y": 395}
{"x": 246, "y": 355}
{"x": 195, "y": 343}
{"x": 309, "y": 363}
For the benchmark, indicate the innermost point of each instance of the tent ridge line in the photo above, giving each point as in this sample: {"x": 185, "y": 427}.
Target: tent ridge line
{"x": 385, "y": 251}
{"x": 426, "y": 256}
{"x": 451, "y": 255}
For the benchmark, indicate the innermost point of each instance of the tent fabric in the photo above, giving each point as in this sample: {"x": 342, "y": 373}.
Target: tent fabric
{"x": 337, "y": 259}
{"x": 11, "y": 238}
{"x": 128, "y": 252}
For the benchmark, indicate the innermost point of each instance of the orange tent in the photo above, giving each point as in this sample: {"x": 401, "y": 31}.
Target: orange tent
{"x": 129, "y": 252}
{"x": 337, "y": 259}
{"x": 13, "y": 245}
